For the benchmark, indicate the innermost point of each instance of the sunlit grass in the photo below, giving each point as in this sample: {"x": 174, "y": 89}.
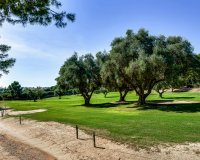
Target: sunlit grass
{"x": 127, "y": 122}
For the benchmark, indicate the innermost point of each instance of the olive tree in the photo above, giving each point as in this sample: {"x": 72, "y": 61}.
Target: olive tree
{"x": 161, "y": 88}
{"x": 111, "y": 74}
{"x": 82, "y": 73}
{"x": 112, "y": 79}
{"x": 34, "y": 93}
{"x": 59, "y": 91}
{"x": 148, "y": 60}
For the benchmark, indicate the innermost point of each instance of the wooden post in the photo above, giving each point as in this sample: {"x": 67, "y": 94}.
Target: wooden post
{"x": 20, "y": 120}
{"x": 76, "y": 132}
{"x": 5, "y": 110}
{"x": 2, "y": 113}
{"x": 94, "y": 139}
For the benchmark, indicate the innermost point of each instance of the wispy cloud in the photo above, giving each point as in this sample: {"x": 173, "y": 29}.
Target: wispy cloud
{"x": 21, "y": 49}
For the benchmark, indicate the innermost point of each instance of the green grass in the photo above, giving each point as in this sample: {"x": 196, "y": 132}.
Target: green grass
{"x": 125, "y": 123}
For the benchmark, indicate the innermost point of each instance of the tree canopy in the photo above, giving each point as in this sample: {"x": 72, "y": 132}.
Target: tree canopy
{"x": 59, "y": 91}
{"x": 34, "y": 93}
{"x": 113, "y": 79}
{"x": 42, "y": 12}
{"x": 5, "y": 61}
{"x": 82, "y": 73}
{"x": 145, "y": 60}
{"x": 138, "y": 61}
{"x": 15, "y": 89}
{"x": 161, "y": 87}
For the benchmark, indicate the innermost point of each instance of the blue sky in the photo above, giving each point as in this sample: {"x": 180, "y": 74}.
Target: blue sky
{"x": 40, "y": 51}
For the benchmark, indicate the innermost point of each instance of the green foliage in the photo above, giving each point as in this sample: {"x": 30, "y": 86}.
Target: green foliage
{"x": 161, "y": 87}
{"x": 59, "y": 91}
{"x": 112, "y": 77}
{"x": 82, "y": 73}
{"x": 48, "y": 92}
{"x": 102, "y": 90}
{"x": 73, "y": 91}
{"x": 5, "y": 62}
{"x": 102, "y": 57}
{"x": 143, "y": 60}
{"x": 192, "y": 78}
{"x": 40, "y": 92}
{"x": 176, "y": 82}
{"x": 33, "y": 12}
{"x": 25, "y": 94}
{"x": 37, "y": 93}
{"x": 34, "y": 93}
{"x": 15, "y": 90}
{"x": 5, "y": 94}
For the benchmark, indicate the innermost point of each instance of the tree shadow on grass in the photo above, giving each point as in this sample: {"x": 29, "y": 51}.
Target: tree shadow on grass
{"x": 179, "y": 108}
{"x": 111, "y": 96}
{"x": 178, "y": 98}
{"x": 107, "y": 105}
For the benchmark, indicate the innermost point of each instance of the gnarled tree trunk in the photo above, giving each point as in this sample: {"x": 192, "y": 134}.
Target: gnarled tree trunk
{"x": 87, "y": 101}
{"x": 87, "y": 97}
{"x": 160, "y": 92}
{"x": 142, "y": 99}
{"x": 142, "y": 95}
{"x": 105, "y": 94}
{"x": 123, "y": 95}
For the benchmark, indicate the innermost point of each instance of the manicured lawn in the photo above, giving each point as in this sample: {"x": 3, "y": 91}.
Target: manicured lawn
{"x": 126, "y": 123}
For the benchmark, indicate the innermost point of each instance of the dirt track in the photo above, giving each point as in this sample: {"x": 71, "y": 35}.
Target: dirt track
{"x": 49, "y": 139}
{"x": 11, "y": 146}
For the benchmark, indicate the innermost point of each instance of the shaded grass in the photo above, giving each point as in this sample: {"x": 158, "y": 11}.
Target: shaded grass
{"x": 129, "y": 123}
{"x": 179, "y": 108}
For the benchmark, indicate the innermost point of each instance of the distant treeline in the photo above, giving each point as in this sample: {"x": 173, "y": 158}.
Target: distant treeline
{"x": 16, "y": 92}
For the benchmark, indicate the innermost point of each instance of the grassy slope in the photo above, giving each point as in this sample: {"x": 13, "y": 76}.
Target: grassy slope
{"x": 127, "y": 123}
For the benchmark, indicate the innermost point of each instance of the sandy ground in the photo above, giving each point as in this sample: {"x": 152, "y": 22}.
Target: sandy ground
{"x": 177, "y": 102}
{"x": 14, "y": 113}
{"x": 184, "y": 89}
{"x": 46, "y": 140}
{"x": 11, "y": 149}
{"x": 195, "y": 89}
